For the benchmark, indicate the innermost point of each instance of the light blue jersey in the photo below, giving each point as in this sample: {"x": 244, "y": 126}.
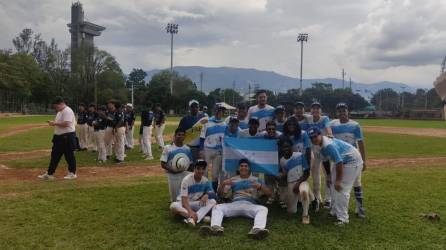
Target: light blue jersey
{"x": 339, "y": 151}
{"x": 321, "y": 124}
{"x": 236, "y": 134}
{"x": 194, "y": 190}
{"x": 302, "y": 143}
{"x": 294, "y": 166}
{"x": 243, "y": 190}
{"x": 262, "y": 114}
{"x": 213, "y": 133}
{"x": 349, "y": 132}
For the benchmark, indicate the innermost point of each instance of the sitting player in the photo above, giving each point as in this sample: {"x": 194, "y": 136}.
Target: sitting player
{"x": 245, "y": 189}
{"x": 170, "y": 157}
{"x": 194, "y": 203}
{"x": 297, "y": 170}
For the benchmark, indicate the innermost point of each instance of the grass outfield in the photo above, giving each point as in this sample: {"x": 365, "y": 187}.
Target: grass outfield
{"x": 7, "y": 123}
{"x": 133, "y": 214}
{"x": 402, "y": 123}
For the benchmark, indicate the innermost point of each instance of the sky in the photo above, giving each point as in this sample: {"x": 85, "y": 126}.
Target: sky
{"x": 373, "y": 40}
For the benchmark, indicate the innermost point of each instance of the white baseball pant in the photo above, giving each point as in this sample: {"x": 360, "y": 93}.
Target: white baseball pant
{"x": 240, "y": 208}
{"x": 119, "y": 147}
{"x": 341, "y": 198}
{"x": 83, "y": 135}
{"x": 305, "y": 196}
{"x": 316, "y": 165}
{"x": 129, "y": 137}
{"x": 174, "y": 181}
{"x": 108, "y": 139}
{"x": 159, "y": 131}
{"x": 146, "y": 141}
{"x": 214, "y": 158}
{"x": 100, "y": 144}
{"x": 177, "y": 208}
{"x": 92, "y": 138}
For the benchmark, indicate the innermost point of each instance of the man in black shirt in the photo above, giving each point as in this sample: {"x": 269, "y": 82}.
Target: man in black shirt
{"x": 129, "y": 117}
{"x": 160, "y": 124}
{"x": 100, "y": 124}
{"x": 146, "y": 132}
{"x": 82, "y": 127}
{"x": 91, "y": 116}
{"x": 115, "y": 132}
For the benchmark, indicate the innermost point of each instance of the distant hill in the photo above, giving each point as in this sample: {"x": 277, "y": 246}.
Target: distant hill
{"x": 223, "y": 77}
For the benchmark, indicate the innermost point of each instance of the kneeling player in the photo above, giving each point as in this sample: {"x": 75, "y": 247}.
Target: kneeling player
{"x": 297, "y": 170}
{"x": 193, "y": 203}
{"x": 245, "y": 189}
{"x": 346, "y": 168}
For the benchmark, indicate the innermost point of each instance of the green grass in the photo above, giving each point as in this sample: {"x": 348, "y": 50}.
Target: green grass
{"x": 39, "y": 138}
{"x": 10, "y": 122}
{"x": 380, "y": 145}
{"x": 402, "y": 123}
{"x": 133, "y": 214}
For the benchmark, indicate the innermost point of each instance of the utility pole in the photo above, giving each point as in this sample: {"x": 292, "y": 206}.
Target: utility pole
{"x": 343, "y": 77}
{"x": 132, "y": 93}
{"x": 302, "y": 37}
{"x": 351, "y": 84}
{"x": 171, "y": 29}
{"x": 249, "y": 94}
{"x": 233, "y": 93}
{"x": 201, "y": 81}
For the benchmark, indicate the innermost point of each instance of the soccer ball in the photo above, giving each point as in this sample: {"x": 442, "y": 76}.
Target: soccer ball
{"x": 180, "y": 162}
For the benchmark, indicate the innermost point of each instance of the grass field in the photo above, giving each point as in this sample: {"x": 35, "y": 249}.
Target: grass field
{"x": 402, "y": 123}
{"x": 132, "y": 212}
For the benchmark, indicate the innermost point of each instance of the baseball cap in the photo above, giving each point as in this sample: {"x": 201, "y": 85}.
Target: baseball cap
{"x": 129, "y": 105}
{"x": 192, "y": 102}
{"x": 279, "y": 108}
{"x": 316, "y": 104}
{"x": 341, "y": 105}
{"x": 299, "y": 103}
{"x": 314, "y": 131}
{"x": 200, "y": 163}
{"x": 253, "y": 120}
{"x": 233, "y": 119}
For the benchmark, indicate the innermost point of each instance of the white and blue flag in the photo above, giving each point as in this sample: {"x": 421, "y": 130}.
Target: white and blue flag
{"x": 261, "y": 153}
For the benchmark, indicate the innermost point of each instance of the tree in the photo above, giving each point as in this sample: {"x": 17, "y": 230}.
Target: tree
{"x": 386, "y": 100}
{"x": 136, "y": 78}
{"x": 23, "y": 43}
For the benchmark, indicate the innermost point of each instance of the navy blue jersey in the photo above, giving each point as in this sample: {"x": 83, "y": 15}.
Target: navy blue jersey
{"x": 189, "y": 121}
{"x": 91, "y": 116}
{"x": 130, "y": 118}
{"x": 81, "y": 118}
{"x": 99, "y": 123}
{"x": 159, "y": 117}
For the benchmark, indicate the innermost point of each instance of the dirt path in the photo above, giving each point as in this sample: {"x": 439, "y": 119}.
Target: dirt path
{"x": 21, "y": 129}
{"x": 24, "y": 155}
{"x": 435, "y": 132}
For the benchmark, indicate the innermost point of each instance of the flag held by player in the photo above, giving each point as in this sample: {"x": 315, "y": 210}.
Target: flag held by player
{"x": 261, "y": 153}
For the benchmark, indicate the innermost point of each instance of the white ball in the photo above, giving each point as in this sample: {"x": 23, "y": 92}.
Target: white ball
{"x": 180, "y": 162}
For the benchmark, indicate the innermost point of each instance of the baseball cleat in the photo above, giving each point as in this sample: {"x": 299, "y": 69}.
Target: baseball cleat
{"x": 190, "y": 222}
{"x": 258, "y": 233}
{"x": 306, "y": 220}
{"x": 70, "y": 176}
{"x": 46, "y": 177}
{"x": 211, "y": 230}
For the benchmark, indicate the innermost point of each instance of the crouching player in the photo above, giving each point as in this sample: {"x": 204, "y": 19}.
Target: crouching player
{"x": 297, "y": 170}
{"x": 245, "y": 191}
{"x": 346, "y": 168}
{"x": 194, "y": 203}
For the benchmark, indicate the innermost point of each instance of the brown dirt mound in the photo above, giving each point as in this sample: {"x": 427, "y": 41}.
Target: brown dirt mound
{"x": 21, "y": 129}
{"x": 24, "y": 155}
{"x": 435, "y": 132}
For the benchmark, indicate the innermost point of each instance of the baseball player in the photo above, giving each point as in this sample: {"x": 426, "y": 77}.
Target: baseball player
{"x": 191, "y": 123}
{"x": 241, "y": 115}
{"x": 246, "y": 189}
{"x": 100, "y": 124}
{"x": 115, "y": 132}
{"x": 211, "y": 139}
{"x": 296, "y": 168}
{"x": 175, "y": 176}
{"x": 347, "y": 166}
{"x": 350, "y": 131}
{"x": 91, "y": 116}
{"x": 302, "y": 118}
{"x": 262, "y": 111}
{"x": 321, "y": 122}
{"x": 299, "y": 137}
{"x": 279, "y": 118}
{"x": 145, "y": 132}
{"x": 253, "y": 129}
{"x": 195, "y": 199}
{"x": 233, "y": 128}
{"x": 129, "y": 117}
{"x": 159, "y": 124}
{"x": 205, "y": 111}
{"x": 82, "y": 127}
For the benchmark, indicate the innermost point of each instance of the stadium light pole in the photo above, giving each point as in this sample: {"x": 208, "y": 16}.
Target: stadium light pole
{"x": 172, "y": 29}
{"x": 302, "y": 37}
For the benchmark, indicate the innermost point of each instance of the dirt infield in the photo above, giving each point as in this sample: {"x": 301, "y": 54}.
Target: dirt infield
{"x": 24, "y": 155}
{"x": 435, "y": 132}
{"x": 21, "y": 129}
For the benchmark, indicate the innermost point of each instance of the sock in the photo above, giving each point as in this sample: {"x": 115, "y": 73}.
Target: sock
{"x": 358, "y": 197}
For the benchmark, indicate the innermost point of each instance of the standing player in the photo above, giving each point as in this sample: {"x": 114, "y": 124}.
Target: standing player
{"x": 242, "y": 116}
{"x": 129, "y": 116}
{"x": 195, "y": 199}
{"x": 296, "y": 168}
{"x": 321, "y": 122}
{"x": 262, "y": 111}
{"x": 246, "y": 189}
{"x": 349, "y": 131}
{"x": 302, "y": 118}
{"x": 279, "y": 118}
{"x": 168, "y": 157}
{"x": 211, "y": 140}
{"x": 233, "y": 129}
{"x": 192, "y": 124}
{"x": 145, "y": 132}
{"x": 253, "y": 129}
{"x": 64, "y": 140}
{"x": 159, "y": 120}
{"x": 82, "y": 127}
{"x": 100, "y": 124}
{"x": 91, "y": 116}
{"x": 115, "y": 132}
{"x": 347, "y": 166}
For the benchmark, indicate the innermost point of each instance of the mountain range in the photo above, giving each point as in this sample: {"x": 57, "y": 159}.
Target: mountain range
{"x": 241, "y": 78}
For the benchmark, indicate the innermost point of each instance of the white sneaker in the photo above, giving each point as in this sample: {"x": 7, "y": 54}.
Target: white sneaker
{"x": 46, "y": 176}
{"x": 149, "y": 158}
{"x": 190, "y": 222}
{"x": 70, "y": 176}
